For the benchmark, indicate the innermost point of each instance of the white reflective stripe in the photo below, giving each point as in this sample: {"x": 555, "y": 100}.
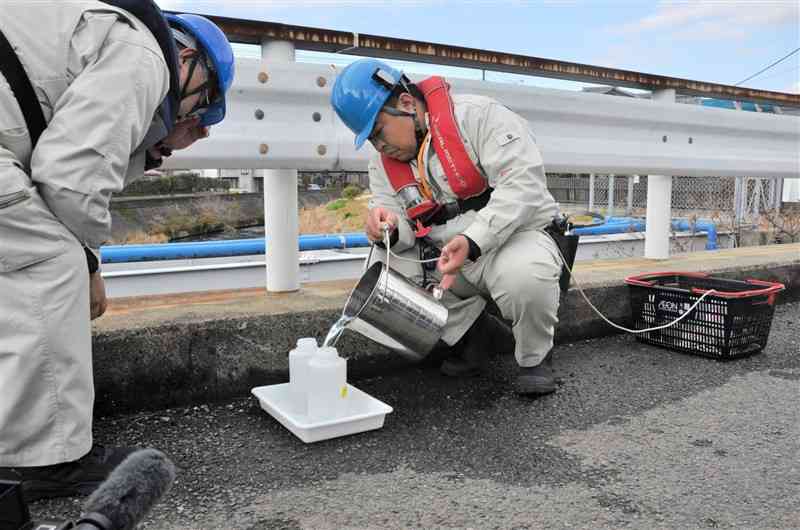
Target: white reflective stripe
{"x": 386, "y": 77}
{"x": 186, "y": 40}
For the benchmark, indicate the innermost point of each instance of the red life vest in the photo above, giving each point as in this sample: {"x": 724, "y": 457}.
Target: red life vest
{"x": 465, "y": 179}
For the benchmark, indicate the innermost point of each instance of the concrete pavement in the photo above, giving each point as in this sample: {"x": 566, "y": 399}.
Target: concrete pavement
{"x": 635, "y": 437}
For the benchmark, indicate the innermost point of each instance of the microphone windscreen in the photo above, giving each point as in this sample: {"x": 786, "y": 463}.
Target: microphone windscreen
{"x": 132, "y": 488}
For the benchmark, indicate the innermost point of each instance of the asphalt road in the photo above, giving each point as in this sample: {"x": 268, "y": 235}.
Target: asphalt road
{"x": 635, "y": 437}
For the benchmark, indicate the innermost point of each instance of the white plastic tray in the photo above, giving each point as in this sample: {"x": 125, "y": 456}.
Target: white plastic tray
{"x": 365, "y": 413}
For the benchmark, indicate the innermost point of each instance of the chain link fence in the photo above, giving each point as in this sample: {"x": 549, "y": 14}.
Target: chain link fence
{"x": 731, "y": 202}
{"x": 744, "y": 198}
{"x": 736, "y": 205}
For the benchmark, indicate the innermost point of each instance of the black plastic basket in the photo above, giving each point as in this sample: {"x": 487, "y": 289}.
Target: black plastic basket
{"x": 730, "y": 323}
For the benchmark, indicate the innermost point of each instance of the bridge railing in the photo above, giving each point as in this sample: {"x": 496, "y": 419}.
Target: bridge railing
{"x": 279, "y": 118}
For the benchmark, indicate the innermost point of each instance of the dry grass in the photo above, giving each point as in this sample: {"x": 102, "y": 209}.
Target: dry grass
{"x": 350, "y": 217}
{"x": 341, "y": 215}
{"x": 140, "y": 236}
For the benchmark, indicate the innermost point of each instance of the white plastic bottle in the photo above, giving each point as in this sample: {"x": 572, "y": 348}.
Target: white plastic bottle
{"x": 298, "y": 372}
{"x": 327, "y": 390}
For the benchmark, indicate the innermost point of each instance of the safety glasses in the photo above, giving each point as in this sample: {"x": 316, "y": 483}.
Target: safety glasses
{"x": 205, "y": 89}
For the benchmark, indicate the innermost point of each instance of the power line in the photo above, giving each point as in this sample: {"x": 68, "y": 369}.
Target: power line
{"x": 781, "y": 72}
{"x": 768, "y": 67}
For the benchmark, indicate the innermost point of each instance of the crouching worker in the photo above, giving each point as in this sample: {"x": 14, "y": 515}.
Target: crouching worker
{"x": 91, "y": 94}
{"x": 460, "y": 177}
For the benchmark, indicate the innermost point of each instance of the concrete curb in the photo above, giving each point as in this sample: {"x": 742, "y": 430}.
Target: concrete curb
{"x": 182, "y": 361}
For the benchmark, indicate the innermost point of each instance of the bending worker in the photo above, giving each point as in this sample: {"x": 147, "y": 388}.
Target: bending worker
{"x": 460, "y": 176}
{"x": 91, "y": 94}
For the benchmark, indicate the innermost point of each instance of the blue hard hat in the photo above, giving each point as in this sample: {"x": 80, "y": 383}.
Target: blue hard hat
{"x": 360, "y": 92}
{"x": 217, "y": 49}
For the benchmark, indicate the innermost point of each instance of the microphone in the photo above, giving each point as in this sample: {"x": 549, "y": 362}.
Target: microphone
{"x": 129, "y": 492}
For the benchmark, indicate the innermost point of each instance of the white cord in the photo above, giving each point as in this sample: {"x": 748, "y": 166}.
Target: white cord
{"x": 413, "y": 260}
{"x": 387, "y": 238}
{"x": 622, "y": 328}
{"x": 437, "y": 292}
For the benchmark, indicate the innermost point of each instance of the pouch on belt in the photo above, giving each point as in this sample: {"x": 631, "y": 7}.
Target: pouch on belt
{"x": 567, "y": 244}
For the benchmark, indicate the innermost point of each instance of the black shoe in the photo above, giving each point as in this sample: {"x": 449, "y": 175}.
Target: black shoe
{"x": 460, "y": 367}
{"x": 483, "y": 338}
{"x": 77, "y": 478}
{"x": 439, "y": 354}
{"x": 537, "y": 380}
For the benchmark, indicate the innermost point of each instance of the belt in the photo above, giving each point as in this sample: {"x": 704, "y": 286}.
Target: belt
{"x": 454, "y": 209}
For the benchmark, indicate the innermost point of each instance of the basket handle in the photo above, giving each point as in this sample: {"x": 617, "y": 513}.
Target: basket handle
{"x": 646, "y": 280}
{"x": 769, "y": 289}
{"x": 643, "y": 280}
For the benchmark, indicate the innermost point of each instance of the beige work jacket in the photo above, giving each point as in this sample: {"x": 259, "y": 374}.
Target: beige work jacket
{"x": 502, "y": 146}
{"x": 100, "y": 76}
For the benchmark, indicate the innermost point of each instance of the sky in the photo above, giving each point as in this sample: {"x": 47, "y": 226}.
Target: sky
{"x": 719, "y": 41}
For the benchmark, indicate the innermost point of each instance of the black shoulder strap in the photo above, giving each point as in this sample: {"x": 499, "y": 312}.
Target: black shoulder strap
{"x": 148, "y": 12}
{"x": 23, "y": 90}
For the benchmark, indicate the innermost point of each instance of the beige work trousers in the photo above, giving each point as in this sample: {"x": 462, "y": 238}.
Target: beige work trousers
{"x": 46, "y": 387}
{"x": 521, "y": 276}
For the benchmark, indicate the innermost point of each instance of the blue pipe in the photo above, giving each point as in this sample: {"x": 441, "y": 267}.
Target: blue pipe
{"x": 683, "y": 225}
{"x": 613, "y": 226}
{"x": 248, "y": 247}
{"x": 621, "y": 225}
{"x": 217, "y": 249}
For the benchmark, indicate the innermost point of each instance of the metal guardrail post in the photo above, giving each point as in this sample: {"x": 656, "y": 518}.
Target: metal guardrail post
{"x": 591, "y": 192}
{"x": 280, "y": 203}
{"x": 754, "y": 203}
{"x": 740, "y": 199}
{"x": 659, "y": 202}
{"x": 610, "y": 212}
{"x": 773, "y": 203}
{"x": 629, "y": 209}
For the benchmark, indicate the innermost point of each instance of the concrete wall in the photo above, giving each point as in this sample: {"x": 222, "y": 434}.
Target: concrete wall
{"x": 179, "y": 351}
{"x": 132, "y": 214}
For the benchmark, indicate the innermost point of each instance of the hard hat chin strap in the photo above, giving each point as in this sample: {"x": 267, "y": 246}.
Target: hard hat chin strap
{"x": 388, "y": 81}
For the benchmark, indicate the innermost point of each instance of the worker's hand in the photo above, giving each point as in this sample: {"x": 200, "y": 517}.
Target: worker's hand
{"x": 454, "y": 254}
{"x": 97, "y": 295}
{"x": 377, "y": 218}
{"x": 185, "y": 133}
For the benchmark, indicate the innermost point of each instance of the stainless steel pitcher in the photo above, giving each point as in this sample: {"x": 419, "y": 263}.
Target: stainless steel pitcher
{"x": 391, "y": 310}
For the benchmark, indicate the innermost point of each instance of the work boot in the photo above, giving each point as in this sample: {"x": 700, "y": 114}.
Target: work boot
{"x": 478, "y": 342}
{"x": 79, "y": 477}
{"x": 440, "y": 352}
{"x": 537, "y": 380}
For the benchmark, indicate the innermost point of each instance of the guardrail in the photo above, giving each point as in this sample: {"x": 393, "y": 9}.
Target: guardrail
{"x": 279, "y": 118}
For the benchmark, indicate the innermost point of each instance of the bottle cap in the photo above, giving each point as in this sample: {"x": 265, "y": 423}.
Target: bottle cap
{"x": 307, "y": 343}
